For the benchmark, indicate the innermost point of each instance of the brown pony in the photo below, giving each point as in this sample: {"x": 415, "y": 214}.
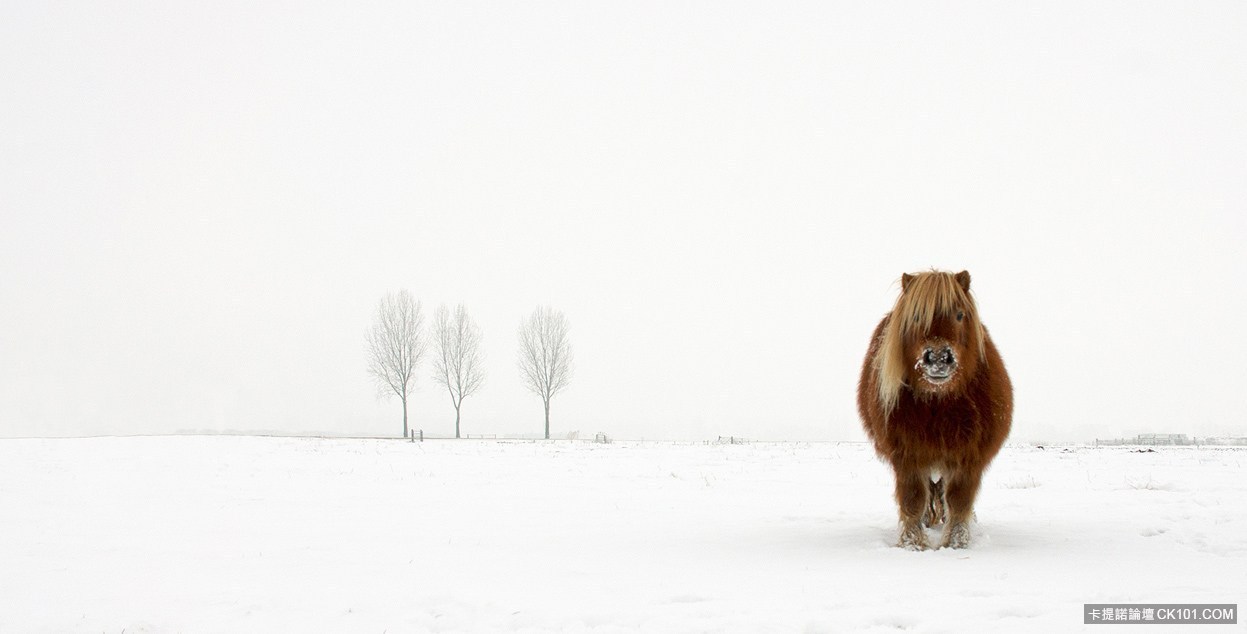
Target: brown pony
{"x": 936, "y": 402}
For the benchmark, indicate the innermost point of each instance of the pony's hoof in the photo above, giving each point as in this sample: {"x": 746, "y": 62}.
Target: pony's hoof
{"x": 913, "y": 538}
{"x": 956, "y": 536}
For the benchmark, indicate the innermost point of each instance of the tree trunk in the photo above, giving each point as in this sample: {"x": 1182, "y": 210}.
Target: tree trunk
{"x": 404, "y": 418}
{"x": 547, "y": 420}
{"x": 456, "y": 421}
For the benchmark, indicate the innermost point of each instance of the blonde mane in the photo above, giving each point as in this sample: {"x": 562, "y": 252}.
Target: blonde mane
{"x": 924, "y": 296}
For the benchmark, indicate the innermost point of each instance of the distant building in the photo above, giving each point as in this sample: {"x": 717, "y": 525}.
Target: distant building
{"x": 1163, "y": 439}
{"x": 1173, "y": 440}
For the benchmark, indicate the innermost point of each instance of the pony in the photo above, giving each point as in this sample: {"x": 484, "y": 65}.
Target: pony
{"x": 936, "y": 402}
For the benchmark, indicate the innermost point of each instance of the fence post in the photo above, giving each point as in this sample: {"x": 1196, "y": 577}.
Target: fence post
{"x": 421, "y": 435}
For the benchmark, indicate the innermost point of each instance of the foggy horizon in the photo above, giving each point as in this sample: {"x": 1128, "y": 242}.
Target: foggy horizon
{"x": 203, "y": 206}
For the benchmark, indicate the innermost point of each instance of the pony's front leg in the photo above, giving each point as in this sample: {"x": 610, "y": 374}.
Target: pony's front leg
{"x": 911, "y": 498}
{"x": 959, "y": 496}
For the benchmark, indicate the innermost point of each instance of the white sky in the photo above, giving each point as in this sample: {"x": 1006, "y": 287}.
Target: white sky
{"x": 201, "y": 205}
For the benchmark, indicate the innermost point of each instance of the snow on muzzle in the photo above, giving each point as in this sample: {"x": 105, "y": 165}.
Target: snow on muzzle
{"x": 938, "y": 363}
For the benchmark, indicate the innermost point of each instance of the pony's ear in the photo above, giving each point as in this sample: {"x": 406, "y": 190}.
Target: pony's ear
{"x": 963, "y": 278}
{"x": 906, "y": 278}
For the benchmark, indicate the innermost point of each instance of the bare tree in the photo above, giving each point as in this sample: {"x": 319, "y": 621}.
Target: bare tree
{"x": 545, "y": 355}
{"x": 457, "y": 355}
{"x": 396, "y": 344}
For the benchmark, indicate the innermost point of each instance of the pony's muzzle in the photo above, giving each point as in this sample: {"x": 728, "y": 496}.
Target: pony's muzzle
{"x": 938, "y": 363}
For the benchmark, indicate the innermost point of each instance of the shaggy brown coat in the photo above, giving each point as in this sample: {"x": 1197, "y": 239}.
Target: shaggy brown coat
{"x": 938, "y": 437}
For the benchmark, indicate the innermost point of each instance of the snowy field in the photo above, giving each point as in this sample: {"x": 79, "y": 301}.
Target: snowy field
{"x": 231, "y": 534}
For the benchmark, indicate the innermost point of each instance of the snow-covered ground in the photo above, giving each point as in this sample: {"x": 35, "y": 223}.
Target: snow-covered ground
{"x": 232, "y": 534}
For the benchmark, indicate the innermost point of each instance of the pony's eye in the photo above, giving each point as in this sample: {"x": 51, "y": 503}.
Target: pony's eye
{"x": 960, "y": 315}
